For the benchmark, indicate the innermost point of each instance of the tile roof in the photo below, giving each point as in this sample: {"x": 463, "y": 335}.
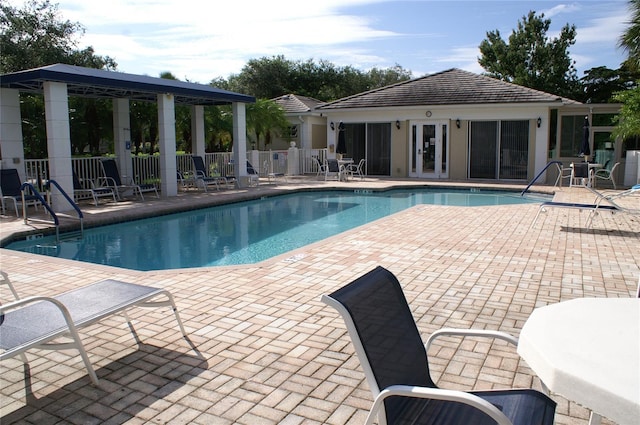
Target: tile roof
{"x": 292, "y": 103}
{"x": 451, "y": 87}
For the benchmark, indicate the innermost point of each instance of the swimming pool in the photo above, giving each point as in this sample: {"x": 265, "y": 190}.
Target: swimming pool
{"x": 246, "y": 232}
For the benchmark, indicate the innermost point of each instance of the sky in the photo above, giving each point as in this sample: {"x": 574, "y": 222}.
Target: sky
{"x": 200, "y": 40}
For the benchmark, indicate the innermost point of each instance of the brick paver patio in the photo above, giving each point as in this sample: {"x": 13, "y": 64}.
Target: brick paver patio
{"x": 269, "y": 352}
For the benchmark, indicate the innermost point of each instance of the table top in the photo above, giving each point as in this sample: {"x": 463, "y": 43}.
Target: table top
{"x": 588, "y": 351}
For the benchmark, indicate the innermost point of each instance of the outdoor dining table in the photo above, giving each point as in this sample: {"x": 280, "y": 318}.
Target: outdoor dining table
{"x": 343, "y": 164}
{"x": 588, "y": 351}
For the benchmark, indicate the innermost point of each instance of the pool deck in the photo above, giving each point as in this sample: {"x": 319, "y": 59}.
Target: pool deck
{"x": 269, "y": 352}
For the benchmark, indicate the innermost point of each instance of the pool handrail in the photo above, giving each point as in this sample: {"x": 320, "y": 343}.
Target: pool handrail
{"x": 46, "y": 205}
{"x": 557, "y": 163}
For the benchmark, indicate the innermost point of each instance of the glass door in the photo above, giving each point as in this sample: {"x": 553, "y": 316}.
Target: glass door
{"x": 429, "y": 150}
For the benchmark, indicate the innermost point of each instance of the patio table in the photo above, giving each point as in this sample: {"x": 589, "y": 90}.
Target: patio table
{"x": 588, "y": 350}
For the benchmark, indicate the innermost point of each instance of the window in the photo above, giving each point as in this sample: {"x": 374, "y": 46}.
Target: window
{"x": 499, "y": 150}
{"x": 571, "y": 135}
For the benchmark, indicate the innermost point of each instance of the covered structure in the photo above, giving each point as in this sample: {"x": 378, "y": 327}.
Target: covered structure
{"x": 59, "y": 82}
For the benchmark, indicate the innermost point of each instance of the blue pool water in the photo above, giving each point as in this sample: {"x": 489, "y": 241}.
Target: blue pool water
{"x": 246, "y": 232}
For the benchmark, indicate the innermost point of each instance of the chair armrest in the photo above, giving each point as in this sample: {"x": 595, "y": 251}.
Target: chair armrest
{"x": 106, "y": 181}
{"x": 472, "y": 332}
{"x": 437, "y": 394}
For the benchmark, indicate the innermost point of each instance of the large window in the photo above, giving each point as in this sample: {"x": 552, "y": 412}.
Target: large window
{"x": 499, "y": 150}
{"x": 572, "y": 129}
{"x": 372, "y": 142}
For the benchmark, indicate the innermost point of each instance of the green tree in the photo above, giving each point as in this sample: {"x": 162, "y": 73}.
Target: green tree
{"x": 630, "y": 39}
{"x": 629, "y": 117}
{"x": 531, "y": 58}
{"x": 272, "y": 77}
{"x": 34, "y": 36}
{"x": 263, "y": 119}
{"x": 601, "y": 83}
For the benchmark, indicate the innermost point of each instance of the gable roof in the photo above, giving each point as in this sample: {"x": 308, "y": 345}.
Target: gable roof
{"x": 99, "y": 83}
{"x": 293, "y": 104}
{"x": 451, "y": 87}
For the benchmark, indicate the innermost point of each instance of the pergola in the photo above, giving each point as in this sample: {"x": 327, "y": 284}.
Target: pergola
{"x": 59, "y": 82}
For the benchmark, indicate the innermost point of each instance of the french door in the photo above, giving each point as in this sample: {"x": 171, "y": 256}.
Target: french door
{"x": 429, "y": 150}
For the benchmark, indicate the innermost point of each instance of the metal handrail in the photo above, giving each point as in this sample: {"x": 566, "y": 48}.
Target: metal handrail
{"x": 557, "y": 163}
{"x": 45, "y": 204}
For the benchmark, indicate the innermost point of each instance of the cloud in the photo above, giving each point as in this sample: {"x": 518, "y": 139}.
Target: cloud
{"x": 219, "y": 36}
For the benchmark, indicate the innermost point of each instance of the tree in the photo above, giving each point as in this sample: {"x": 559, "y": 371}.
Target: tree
{"x": 273, "y": 77}
{"x": 601, "y": 83}
{"x": 629, "y": 117}
{"x": 35, "y": 36}
{"x": 630, "y": 39}
{"x": 530, "y": 58}
{"x": 265, "y": 117}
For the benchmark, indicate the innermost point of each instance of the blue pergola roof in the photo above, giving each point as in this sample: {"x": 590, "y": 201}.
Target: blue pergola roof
{"x": 98, "y": 83}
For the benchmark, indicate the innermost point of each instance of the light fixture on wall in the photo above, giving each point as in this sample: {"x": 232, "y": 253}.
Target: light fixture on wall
{"x": 332, "y": 125}
{"x": 458, "y": 122}
{"x": 398, "y": 124}
{"x": 539, "y": 122}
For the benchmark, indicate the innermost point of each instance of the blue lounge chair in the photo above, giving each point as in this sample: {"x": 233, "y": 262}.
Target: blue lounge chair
{"x": 254, "y": 175}
{"x": 394, "y": 358}
{"x": 202, "y": 177}
{"x": 112, "y": 179}
{"x": 34, "y": 322}
{"x": 10, "y": 185}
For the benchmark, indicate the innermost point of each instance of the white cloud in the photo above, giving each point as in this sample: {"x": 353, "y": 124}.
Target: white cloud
{"x": 217, "y": 36}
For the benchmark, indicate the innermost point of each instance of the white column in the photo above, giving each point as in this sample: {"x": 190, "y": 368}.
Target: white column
{"x": 11, "y": 143}
{"x": 167, "y": 134}
{"x": 56, "y": 107}
{"x": 240, "y": 143}
{"x": 122, "y": 137}
{"x": 197, "y": 130}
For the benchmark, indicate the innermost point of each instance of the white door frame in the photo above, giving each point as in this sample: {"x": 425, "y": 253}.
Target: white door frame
{"x": 439, "y": 146}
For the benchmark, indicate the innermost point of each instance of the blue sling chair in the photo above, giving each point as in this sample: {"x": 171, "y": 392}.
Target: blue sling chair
{"x": 396, "y": 366}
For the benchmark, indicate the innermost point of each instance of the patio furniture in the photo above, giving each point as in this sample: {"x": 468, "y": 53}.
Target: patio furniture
{"x": 202, "y": 177}
{"x": 122, "y": 185}
{"x": 353, "y": 170}
{"x": 580, "y": 174}
{"x": 605, "y": 173}
{"x": 271, "y": 175}
{"x": 320, "y": 166}
{"x": 254, "y": 175}
{"x": 34, "y": 322}
{"x": 603, "y": 202}
{"x": 332, "y": 166}
{"x": 394, "y": 359}
{"x": 81, "y": 192}
{"x": 586, "y": 350}
{"x": 10, "y": 185}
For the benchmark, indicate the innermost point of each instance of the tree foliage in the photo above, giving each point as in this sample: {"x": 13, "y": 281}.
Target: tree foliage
{"x": 629, "y": 117}
{"x": 530, "y": 58}
{"x": 35, "y": 36}
{"x": 630, "y": 39}
{"x": 601, "y": 83}
{"x": 273, "y": 77}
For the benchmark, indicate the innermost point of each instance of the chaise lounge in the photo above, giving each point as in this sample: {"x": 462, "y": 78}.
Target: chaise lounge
{"x": 34, "y": 322}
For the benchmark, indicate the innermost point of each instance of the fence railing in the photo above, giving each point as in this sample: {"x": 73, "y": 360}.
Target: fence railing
{"x": 146, "y": 169}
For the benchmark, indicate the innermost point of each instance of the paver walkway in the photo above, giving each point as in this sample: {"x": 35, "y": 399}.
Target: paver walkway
{"x": 269, "y": 352}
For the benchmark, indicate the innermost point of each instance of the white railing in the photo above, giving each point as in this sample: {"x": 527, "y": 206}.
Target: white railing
{"x": 146, "y": 169}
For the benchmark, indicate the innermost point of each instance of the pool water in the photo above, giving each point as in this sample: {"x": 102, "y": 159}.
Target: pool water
{"x": 246, "y": 232}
